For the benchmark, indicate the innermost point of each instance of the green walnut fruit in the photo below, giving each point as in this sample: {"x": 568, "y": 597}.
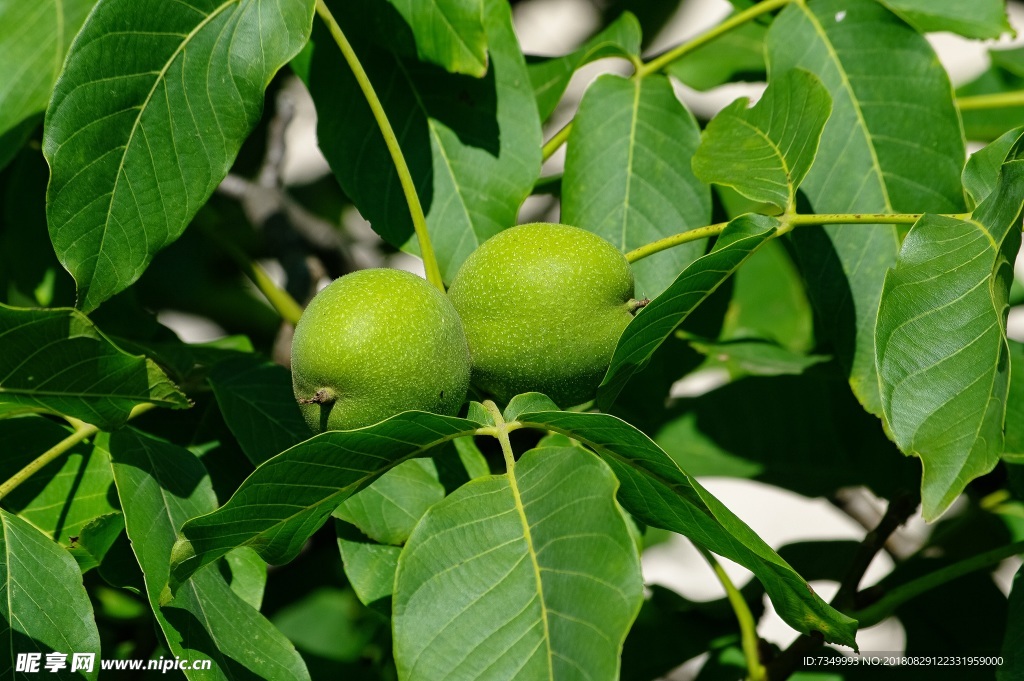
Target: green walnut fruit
{"x": 543, "y": 306}
{"x": 375, "y": 343}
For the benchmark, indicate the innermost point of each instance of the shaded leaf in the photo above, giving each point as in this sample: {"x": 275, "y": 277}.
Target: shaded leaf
{"x": 1013, "y": 643}
{"x": 34, "y": 37}
{"x": 388, "y": 509}
{"x": 255, "y": 396}
{"x": 976, "y": 19}
{"x": 472, "y": 144}
{"x": 941, "y": 340}
{"x": 628, "y": 176}
{"x": 1005, "y": 74}
{"x": 45, "y": 607}
{"x": 1013, "y": 442}
{"x": 550, "y": 77}
{"x": 655, "y": 491}
{"x": 329, "y": 624}
{"x": 735, "y": 55}
{"x": 764, "y": 152}
{"x": 892, "y": 144}
{"x": 57, "y": 361}
{"x": 96, "y": 538}
{"x": 248, "y": 575}
{"x": 153, "y": 104}
{"x": 757, "y": 357}
{"x": 655, "y": 323}
{"x": 160, "y": 486}
{"x": 290, "y": 496}
{"x": 449, "y": 33}
{"x": 370, "y": 568}
{"x": 532, "y": 574}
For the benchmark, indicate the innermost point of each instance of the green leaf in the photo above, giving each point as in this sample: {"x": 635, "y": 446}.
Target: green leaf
{"x": 449, "y": 33}
{"x": 655, "y": 491}
{"x": 628, "y": 176}
{"x": 531, "y": 575}
{"x": 329, "y": 624}
{"x": 290, "y": 496}
{"x": 1013, "y": 644}
{"x": 160, "y": 486}
{"x": 981, "y": 174}
{"x": 34, "y": 37}
{"x": 472, "y": 145}
{"x": 57, "y": 361}
{"x": 892, "y": 144}
{"x": 735, "y": 55}
{"x": 1013, "y": 441}
{"x": 388, "y": 509}
{"x": 976, "y": 19}
{"x": 550, "y": 77}
{"x": 153, "y": 104}
{"x": 941, "y": 340}
{"x": 61, "y": 498}
{"x": 96, "y": 538}
{"x": 255, "y": 396}
{"x": 45, "y": 607}
{"x": 655, "y": 323}
{"x": 757, "y": 357}
{"x": 785, "y": 421}
{"x": 248, "y": 575}
{"x": 370, "y": 568}
{"x": 764, "y": 152}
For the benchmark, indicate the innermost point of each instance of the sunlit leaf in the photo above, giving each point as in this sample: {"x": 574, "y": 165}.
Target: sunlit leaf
{"x": 941, "y": 340}
{"x": 57, "y": 361}
{"x": 531, "y": 575}
{"x": 290, "y": 496}
{"x": 370, "y": 568}
{"x": 388, "y": 509}
{"x": 160, "y": 486}
{"x": 975, "y": 19}
{"x": 628, "y": 176}
{"x": 892, "y": 144}
{"x": 764, "y": 152}
{"x": 654, "y": 323}
{"x": 153, "y": 104}
{"x": 449, "y": 33}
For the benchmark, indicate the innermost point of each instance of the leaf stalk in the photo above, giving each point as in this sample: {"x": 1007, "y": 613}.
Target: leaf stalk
{"x": 419, "y": 220}
{"x": 998, "y": 100}
{"x": 749, "y": 640}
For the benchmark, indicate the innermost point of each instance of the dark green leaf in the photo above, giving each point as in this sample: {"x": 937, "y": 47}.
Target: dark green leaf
{"x": 45, "y": 607}
{"x": 803, "y": 433}
{"x": 941, "y": 340}
{"x": 654, "y": 323}
{"x": 1013, "y": 644}
{"x": 735, "y": 55}
{"x": 892, "y": 144}
{"x": 388, "y": 509}
{"x": 160, "y": 486}
{"x": 96, "y": 538}
{"x": 329, "y": 624}
{"x": 764, "y": 152}
{"x": 532, "y": 575}
{"x": 57, "y": 361}
{"x": 975, "y": 19}
{"x": 757, "y": 357}
{"x": 657, "y": 492}
{"x": 472, "y": 145}
{"x": 255, "y": 396}
{"x": 449, "y": 33}
{"x": 34, "y": 37}
{"x": 628, "y": 176}
{"x": 1013, "y": 442}
{"x": 153, "y": 104}
{"x": 981, "y": 174}
{"x": 290, "y": 496}
{"x": 550, "y": 77}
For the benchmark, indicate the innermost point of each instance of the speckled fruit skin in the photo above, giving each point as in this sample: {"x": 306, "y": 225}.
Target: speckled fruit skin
{"x": 384, "y": 341}
{"x": 543, "y": 306}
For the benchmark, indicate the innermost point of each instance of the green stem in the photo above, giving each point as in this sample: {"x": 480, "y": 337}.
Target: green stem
{"x": 748, "y": 627}
{"x": 878, "y": 611}
{"x": 788, "y": 222}
{"x": 557, "y": 140}
{"x": 81, "y": 431}
{"x": 663, "y": 60}
{"x": 501, "y": 432}
{"x": 282, "y": 302}
{"x": 419, "y": 221}
{"x": 675, "y": 240}
{"x": 997, "y": 100}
